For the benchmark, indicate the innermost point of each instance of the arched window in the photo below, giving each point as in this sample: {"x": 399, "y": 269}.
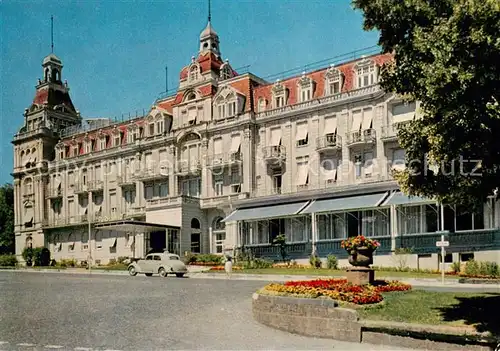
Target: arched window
{"x": 195, "y": 224}
{"x": 218, "y": 224}
{"x": 29, "y": 242}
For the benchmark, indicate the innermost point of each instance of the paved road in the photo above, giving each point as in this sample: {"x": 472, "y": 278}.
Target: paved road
{"x": 40, "y": 311}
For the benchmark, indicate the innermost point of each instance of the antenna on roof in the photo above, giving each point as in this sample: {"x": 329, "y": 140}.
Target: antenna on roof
{"x": 209, "y": 12}
{"x": 166, "y": 78}
{"x": 52, "y": 34}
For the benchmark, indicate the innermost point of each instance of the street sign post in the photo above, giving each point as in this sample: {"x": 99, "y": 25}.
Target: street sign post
{"x": 442, "y": 244}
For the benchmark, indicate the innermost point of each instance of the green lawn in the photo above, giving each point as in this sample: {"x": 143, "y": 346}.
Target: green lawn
{"x": 425, "y": 307}
{"x": 331, "y": 272}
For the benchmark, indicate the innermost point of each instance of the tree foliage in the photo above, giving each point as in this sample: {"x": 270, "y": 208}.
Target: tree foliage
{"x": 447, "y": 56}
{"x": 7, "y": 238}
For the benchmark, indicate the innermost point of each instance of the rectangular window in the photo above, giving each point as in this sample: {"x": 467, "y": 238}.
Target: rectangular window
{"x": 159, "y": 127}
{"x": 301, "y": 136}
{"x": 358, "y": 164}
{"x": 219, "y": 187}
{"x": 222, "y": 111}
{"x": 151, "y": 129}
{"x": 148, "y": 192}
{"x": 334, "y": 88}
{"x": 164, "y": 190}
{"x": 102, "y": 144}
{"x": 117, "y": 140}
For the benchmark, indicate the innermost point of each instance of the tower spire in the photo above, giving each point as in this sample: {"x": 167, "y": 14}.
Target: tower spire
{"x": 52, "y": 34}
{"x": 209, "y": 11}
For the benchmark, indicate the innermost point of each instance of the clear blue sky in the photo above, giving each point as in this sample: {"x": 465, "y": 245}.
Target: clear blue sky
{"x": 115, "y": 52}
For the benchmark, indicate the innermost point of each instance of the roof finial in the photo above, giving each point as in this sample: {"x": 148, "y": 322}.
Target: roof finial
{"x": 52, "y": 34}
{"x": 209, "y": 12}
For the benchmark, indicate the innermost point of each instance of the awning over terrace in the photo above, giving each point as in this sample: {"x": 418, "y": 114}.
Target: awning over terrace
{"x": 133, "y": 226}
{"x": 266, "y": 212}
{"x": 345, "y": 203}
{"x": 398, "y": 198}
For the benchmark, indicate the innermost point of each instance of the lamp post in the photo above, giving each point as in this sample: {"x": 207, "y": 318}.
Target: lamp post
{"x": 90, "y": 232}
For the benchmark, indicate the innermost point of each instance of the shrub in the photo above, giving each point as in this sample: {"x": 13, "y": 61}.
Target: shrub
{"x": 315, "y": 261}
{"x": 123, "y": 259}
{"x": 8, "y": 260}
{"x": 41, "y": 256}
{"x": 67, "y": 263}
{"x": 112, "y": 262}
{"x": 257, "y": 263}
{"x": 189, "y": 258}
{"x": 481, "y": 269}
{"x": 455, "y": 267}
{"x": 332, "y": 262}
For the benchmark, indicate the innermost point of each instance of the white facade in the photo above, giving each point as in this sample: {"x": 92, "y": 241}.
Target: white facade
{"x": 229, "y": 160}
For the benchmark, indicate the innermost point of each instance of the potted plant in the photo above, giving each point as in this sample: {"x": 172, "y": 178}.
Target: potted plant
{"x": 360, "y": 249}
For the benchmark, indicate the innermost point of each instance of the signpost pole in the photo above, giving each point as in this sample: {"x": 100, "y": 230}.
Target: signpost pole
{"x": 442, "y": 260}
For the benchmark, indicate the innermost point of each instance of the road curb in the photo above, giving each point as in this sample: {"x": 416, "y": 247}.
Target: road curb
{"x": 423, "y": 282}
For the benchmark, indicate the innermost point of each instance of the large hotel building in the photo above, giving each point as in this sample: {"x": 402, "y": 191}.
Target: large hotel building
{"x": 232, "y": 160}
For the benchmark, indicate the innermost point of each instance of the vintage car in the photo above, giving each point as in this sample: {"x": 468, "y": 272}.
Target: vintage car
{"x": 162, "y": 263}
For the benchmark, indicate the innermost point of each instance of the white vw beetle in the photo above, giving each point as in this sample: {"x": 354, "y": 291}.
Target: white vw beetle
{"x": 162, "y": 263}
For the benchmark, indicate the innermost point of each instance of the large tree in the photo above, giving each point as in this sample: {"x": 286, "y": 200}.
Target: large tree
{"x": 447, "y": 56}
{"x": 7, "y": 238}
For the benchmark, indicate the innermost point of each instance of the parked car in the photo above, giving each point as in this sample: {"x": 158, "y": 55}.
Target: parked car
{"x": 162, "y": 263}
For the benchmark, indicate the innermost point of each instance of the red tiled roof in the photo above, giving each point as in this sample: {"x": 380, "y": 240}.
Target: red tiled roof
{"x": 207, "y": 61}
{"x": 319, "y": 79}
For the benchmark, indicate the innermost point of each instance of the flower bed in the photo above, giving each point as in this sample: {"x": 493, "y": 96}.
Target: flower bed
{"x": 291, "y": 266}
{"x": 221, "y": 268}
{"x": 338, "y": 289}
{"x": 204, "y": 264}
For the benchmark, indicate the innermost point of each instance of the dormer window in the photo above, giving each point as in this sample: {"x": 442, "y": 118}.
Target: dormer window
{"x": 88, "y": 146}
{"x": 305, "y": 87}
{"x": 117, "y": 140}
{"x": 61, "y": 154}
{"x": 160, "y": 126}
{"x": 366, "y": 73}
{"x": 262, "y": 105}
{"x": 227, "y": 104}
{"x": 279, "y": 101}
{"x": 193, "y": 73}
{"x": 74, "y": 151}
{"x": 279, "y": 95}
{"x": 102, "y": 143}
{"x": 225, "y": 71}
{"x": 334, "y": 81}
{"x": 151, "y": 129}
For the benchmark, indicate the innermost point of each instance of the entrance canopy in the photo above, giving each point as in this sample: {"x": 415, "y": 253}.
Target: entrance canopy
{"x": 398, "y": 198}
{"x": 133, "y": 226}
{"x": 266, "y": 212}
{"x": 345, "y": 203}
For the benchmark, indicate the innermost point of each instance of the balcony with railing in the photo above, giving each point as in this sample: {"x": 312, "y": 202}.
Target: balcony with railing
{"x": 225, "y": 159}
{"x": 150, "y": 174}
{"x": 362, "y": 137}
{"x": 217, "y": 201}
{"x": 54, "y": 193}
{"x": 125, "y": 180}
{"x": 95, "y": 186}
{"x": 191, "y": 167}
{"x": 80, "y": 188}
{"x": 390, "y": 132}
{"x": 171, "y": 201}
{"x": 329, "y": 141}
{"x": 135, "y": 211}
{"x": 275, "y": 153}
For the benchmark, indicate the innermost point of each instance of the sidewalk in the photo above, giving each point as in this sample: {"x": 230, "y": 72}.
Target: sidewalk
{"x": 201, "y": 273}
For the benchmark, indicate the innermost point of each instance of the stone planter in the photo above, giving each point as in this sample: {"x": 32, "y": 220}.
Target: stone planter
{"x": 362, "y": 257}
